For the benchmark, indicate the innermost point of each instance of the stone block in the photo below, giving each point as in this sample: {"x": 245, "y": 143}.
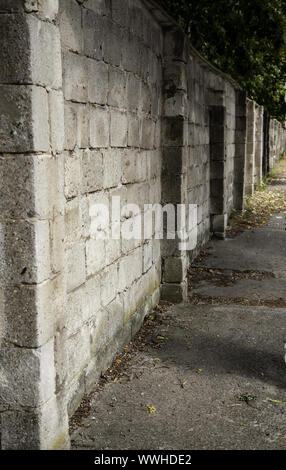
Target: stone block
{"x": 131, "y": 233}
{"x": 218, "y": 151}
{"x": 219, "y": 223}
{"x": 25, "y": 252}
{"x": 130, "y": 269}
{"x": 72, "y": 221}
{"x": 118, "y": 129}
{"x": 99, "y": 329}
{"x": 98, "y": 83}
{"x": 112, "y": 161}
{"x": 145, "y": 98}
{"x": 46, "y": 62}
{"x": 148, "y": 133}
{"x": 99, "y": 127}
{"x": 172, "y": 161}
{"x": 112, "y": 47}
{"x": 133, "y": 92}
{"x": 93, "y": 34}
{"x": 109, "y": 284}
{"x": 83, "y": 304}
{"x": 105, "y": 356}
{"x": 26, "y": 186}
{"x": 75, "y": 77}
{"x": 70, "y": 25}
{"x": 76, "y": 392}
{"x": 217, "y": 170}
{"x": 133, "y": 301}
{"x": 57, "y": 238}
{"x": 76, "y": 126}
{"x": 174, "y": 270}
{"x": 75, "y": 265}
{"x": 40, "y": 119}
{"x": 175, "y": 45}
{"x": 130, "y": 166}
{"x": 72, "y": 173}
{"x": 137, "y": 320}
{"x": 57, "y": 128}
{"x": 15, "y": 48}
{"x": 175, "y": 293}
{"x": 173, "y": 131}
{"x": 117, "y": 88}
{"x": 115, "y": 317}
{"x": 25, "y": 384}
{"x": 98, "y": 205}
{"x": 112, "y": 250}
{"x": 217, "y": 134}
{"x": 133, "y": 131}
{"x": 78, "y": 352}
{"x": 45, "y": 428}
{"x": 29, "y": 313}
{"x": 24, "y": 124}
{"x": 95, "y": 256}
{"x": 147, "y": 256}
{"x": 172, "y": 187}
{"x": 92, "y": 170}
{"x": 174, "y": 78}
{"x": 71, "y": 126}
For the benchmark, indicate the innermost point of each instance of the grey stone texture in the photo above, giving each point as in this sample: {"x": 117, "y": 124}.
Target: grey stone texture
{"x": 101, "y": 99}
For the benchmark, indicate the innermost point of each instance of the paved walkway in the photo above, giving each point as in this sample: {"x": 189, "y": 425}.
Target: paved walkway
{"x": 209, "y": 374}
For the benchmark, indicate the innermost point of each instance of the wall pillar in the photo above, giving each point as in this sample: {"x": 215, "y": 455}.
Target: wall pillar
{"x": 217, "y": 132}
{"x": 266, "y": 150}
{"x": 240, "y": 149}
{"x": 174, "y": 140}
{"x": 217, "y": 169}
{"x": 32, "y": 281}
{"x": 258, "y": 144}
{"x": 250, "y": 149}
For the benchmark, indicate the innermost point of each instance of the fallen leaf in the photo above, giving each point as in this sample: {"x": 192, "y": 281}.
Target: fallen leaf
{"x": 276, "y": 401}
{"x": 151, "y": 409}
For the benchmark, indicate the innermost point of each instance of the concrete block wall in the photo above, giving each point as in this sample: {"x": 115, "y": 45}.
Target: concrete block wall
{"x": 32, "y": 262}
{"x": 112, "y": 86}
{"x": 101, "y": 99}
{"x": 277, "y": 140}
{"x": 265, "y": 144}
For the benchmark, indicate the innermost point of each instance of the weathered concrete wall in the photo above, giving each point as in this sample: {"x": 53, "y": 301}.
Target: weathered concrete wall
{"x": 32, "y": 265}
{"x": 265, "y": 145}
{"x": 100, "y": 99}
{"x": 277, "y": 141}
{"x": 112, "y": 85}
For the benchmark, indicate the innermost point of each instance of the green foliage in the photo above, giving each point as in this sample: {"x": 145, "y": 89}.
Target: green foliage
{"x": 244, "y": 38}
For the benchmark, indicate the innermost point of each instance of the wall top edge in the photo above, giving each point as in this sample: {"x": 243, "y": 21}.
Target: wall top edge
{"x": 166, "y": 21}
